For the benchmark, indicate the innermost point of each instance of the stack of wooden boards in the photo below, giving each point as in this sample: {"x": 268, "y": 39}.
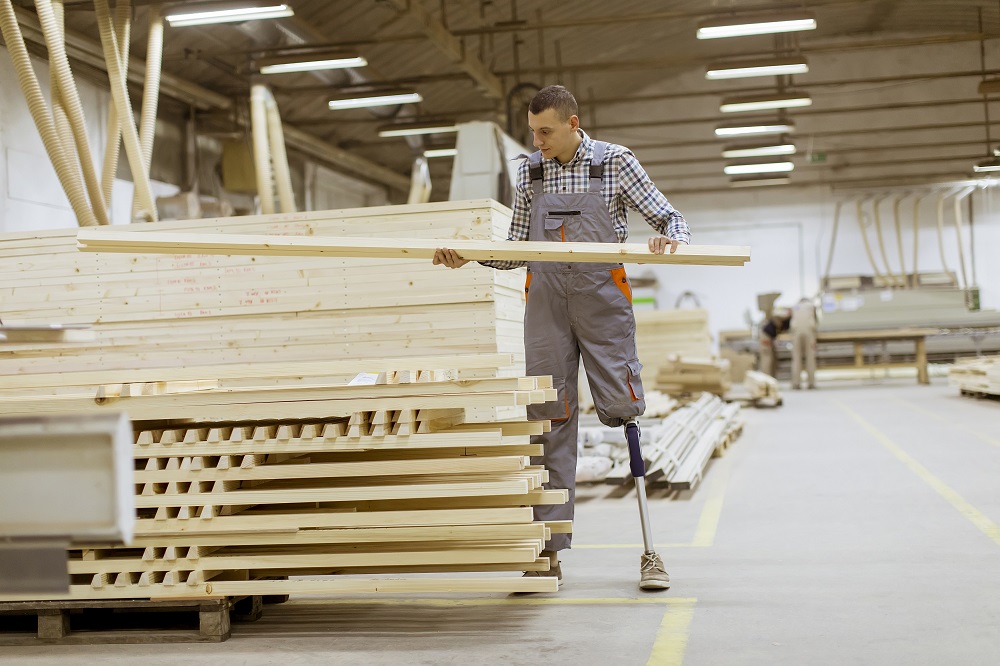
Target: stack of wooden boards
{"x": 678, "y": 449}
{"x": 186, "y": 311}
{"x": 976, "y": 376}
{"x": 254, "y": 457}
{"x": 675, "y": 348}
{"x": 236, "y": 507}
{"x": 763, "y": 388}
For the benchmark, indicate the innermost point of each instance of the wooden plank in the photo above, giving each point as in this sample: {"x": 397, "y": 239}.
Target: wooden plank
{"x": 102, "y": 240}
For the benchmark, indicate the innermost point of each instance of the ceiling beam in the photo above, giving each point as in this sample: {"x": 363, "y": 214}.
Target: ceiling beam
{"x": 452, "y": 47}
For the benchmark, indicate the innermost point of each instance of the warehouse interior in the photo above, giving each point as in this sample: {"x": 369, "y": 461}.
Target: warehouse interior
{"x": 244, "y": 416}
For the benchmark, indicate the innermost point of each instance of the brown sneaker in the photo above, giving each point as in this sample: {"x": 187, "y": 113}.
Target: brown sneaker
{"x": 652, "y": 574}
{"x": 554, "y": 570}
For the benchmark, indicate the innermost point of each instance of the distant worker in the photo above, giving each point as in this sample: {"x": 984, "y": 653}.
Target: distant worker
{"x": 577, "y": 189}
{"x": 803, "y": 327}
{"x": 775, "y": 325}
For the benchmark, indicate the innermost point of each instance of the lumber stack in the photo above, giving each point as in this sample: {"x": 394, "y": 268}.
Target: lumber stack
{"x": 685, "y": 375}
{"x": 762, "y": 387}
{"x": 976, "y": 376}
{"x": 677, "y": 450}
{"x": 396, "y": 487}
{"x": 150, "y": 312}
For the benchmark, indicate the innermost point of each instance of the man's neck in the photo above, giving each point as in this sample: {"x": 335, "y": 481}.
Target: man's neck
{"x": 570, "y": 154}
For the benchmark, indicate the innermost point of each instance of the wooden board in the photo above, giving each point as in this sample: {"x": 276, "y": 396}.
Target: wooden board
{"x": 102, "y": 240}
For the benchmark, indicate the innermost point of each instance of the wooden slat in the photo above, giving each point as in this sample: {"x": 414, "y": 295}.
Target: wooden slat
{"x": 102, "y": 240}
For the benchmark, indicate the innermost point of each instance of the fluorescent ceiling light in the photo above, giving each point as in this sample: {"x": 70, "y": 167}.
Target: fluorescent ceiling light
{"x": 376, "y": 100}
{"x": 759, "y": 181}
{"x": 765, "y": 102}
{"x": 763, "y": 167}
{"x": 413, "y": 130}
{"x": 992, "y": 164}
{"x": 441, "y": 152}
{"x": 761, "y": 150}
{"x": 750, "y": 129}
{"x": 763, "y": 24}
{"x": 313, "y": 65}
{"x": 229, "y": 15}
{"x": 742, "y": 70}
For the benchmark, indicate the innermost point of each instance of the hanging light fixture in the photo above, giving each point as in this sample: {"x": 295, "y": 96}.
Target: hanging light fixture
{"x": 441, "y": 152}
{"x": 754, "y": 128}
{"x": 772, "y": 101}
{"x": 311, "y": 63}
{"x": 375, "y": 100}
{"x": 181, "y": 16}
{"x": 746, "y": 69}
{"x": 769, "y": 149}
{"x": 758, "y": 167}
{"x": 756, "y": 24}
{"x": 760, "y": 180}
{"x": 415, "y": 129}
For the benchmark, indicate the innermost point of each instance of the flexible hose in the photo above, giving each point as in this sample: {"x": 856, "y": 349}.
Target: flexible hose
{"x": 916, "y": 240}
{"x": 940, "y": 231}
{"x": 112, "y": 146}
{"x": 899, "y": 238}
{"x": 68, "y": 174}
{"x": 150, "y": 93}
{"x": 64, "y": 131}
{"x": 890, "y": 276}
{"x": 958, "y": 234}
{"x": 119, "y": 92}
{"x": 420, "y": 182}
{"x": 261, "y": 152}
{"x": 59, "y": 67}
{"x": 833, "y": 241}
{"x": 864, "y": 236}
{"x": 279, "y": 158}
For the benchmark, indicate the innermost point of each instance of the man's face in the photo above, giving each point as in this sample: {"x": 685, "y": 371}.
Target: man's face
{"x": 554, "y": 136}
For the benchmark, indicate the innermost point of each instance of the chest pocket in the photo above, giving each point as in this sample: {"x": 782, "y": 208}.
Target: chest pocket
{"x": 556, "y": 223}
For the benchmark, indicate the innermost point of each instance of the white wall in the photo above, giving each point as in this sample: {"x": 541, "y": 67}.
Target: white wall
{"x": 789, "y": 232}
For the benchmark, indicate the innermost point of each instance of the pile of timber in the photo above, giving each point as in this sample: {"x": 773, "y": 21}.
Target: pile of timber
{"x": 687, "y": 375}
{"x": 976, "y": 376}
{"x": 762, "y": 388}
{"x": 677, "y": 450}
{"x": 390, "y": 481}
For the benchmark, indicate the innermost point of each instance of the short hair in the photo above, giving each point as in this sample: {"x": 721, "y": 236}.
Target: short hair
{"x": 554, "y": 97}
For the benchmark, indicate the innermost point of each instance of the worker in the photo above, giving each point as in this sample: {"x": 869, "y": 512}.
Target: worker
{"x": 574, "y": 188}
{"x": 775, "y": 325}
{"x": 803, "y": 328}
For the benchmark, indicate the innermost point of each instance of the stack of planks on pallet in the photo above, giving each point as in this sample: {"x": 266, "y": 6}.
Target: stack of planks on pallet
{"x": 295, "y": 416}
{"x": 978, "y": 377}
{"x": 762, "y": 389}
{"x": 675, "y": 347}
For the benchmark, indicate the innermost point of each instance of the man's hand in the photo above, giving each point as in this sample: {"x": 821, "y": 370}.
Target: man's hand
{"x": 658, "y": 244}
{"x": 449, "y": 258}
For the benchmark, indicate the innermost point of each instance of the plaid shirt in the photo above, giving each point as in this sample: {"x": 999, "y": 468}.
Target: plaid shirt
{"x": 625, "y": 184}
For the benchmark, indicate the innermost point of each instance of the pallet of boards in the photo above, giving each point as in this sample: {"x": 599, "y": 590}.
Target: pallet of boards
{"x": 976, "y": 376}
{"x": 677, "y": 451}
{"x": 660, "y": 334}
{"x": 390, "y": 497}
{"x": 762, "y": 388}
{"x": 687, "y": 375}
{"x": 150, "y": 312}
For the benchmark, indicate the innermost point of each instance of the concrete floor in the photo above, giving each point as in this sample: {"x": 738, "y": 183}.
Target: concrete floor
{"x": 858, "y": 524}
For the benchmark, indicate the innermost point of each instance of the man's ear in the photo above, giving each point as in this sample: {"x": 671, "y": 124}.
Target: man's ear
{"x": 574, "y": 123}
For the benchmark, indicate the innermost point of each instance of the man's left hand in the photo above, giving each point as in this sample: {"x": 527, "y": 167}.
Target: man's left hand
{"x": 659, "y": 244}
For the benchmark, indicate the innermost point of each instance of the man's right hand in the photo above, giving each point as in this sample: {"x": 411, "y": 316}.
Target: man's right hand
{"x": 449, "y": 258}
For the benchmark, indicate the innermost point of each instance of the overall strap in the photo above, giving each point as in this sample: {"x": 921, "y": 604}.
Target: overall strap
{"x": 535, "y": 171}
{"x": 597, "y": 167}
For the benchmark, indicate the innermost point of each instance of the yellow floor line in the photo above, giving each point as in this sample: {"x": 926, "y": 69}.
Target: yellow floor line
{"x": 708, "y": 522}
{"x": 680, "y": 602}
{"x": 971, "y": 513}
{"x": 975, "y": 433}
{"x": 672, "y": 636}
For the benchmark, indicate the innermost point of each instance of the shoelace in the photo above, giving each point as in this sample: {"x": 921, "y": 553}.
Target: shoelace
{"x": 651, "y": 562}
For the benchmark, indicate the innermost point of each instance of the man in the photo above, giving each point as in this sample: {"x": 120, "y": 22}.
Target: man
{"x": 577, "y": 189}
{"x": 803, "y": 326}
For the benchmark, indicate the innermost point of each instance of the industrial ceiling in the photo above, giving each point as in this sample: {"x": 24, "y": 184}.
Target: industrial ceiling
{"x": 893, "y": 84}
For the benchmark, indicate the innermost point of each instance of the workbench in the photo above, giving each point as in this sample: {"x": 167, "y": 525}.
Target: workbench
{"x": 883, "y": 337}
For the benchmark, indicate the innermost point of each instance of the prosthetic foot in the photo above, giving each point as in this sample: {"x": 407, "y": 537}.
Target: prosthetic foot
{"x": 652, "y": 574}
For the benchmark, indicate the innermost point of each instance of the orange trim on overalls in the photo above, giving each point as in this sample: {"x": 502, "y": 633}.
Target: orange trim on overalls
{"x": 621, "y": 280}
{"x": 527, "y": 285}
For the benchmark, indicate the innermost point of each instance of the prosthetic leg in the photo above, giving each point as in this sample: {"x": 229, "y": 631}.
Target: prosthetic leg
{"x": 653, "y": 576}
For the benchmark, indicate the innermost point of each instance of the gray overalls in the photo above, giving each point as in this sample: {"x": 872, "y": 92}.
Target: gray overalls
{"x": 574, "y": 309}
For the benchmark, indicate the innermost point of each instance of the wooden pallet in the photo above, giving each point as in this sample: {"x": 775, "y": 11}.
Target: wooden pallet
{"x": 115, "y": 621}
